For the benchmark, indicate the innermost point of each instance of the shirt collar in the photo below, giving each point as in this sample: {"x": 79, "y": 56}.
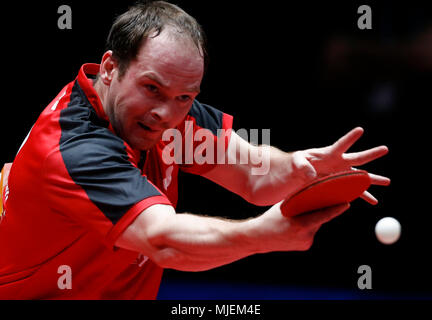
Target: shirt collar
{"x": 86, "y": 83}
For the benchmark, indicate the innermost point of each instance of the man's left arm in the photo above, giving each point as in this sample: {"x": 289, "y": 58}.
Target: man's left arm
{"x": 264, "y": 175}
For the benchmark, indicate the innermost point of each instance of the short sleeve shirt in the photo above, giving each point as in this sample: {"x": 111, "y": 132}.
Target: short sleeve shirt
{"x": 75, "y": 186}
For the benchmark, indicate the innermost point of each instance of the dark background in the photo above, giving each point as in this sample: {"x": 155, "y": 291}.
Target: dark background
{"x": 306, "y": 72}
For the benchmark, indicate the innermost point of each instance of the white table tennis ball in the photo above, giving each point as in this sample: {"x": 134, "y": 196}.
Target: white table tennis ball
{"x": 388, "y": 230}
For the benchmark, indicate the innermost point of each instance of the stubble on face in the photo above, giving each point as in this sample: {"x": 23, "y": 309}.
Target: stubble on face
{"x": 176, "y": 65}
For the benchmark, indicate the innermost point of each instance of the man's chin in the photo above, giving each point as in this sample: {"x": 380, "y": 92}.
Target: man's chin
{"x": 143, "y": 144}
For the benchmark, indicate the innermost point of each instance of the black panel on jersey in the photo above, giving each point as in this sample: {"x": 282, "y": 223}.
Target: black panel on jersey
{"x": 97, "y": 160}
{"x": 206, "y": 116}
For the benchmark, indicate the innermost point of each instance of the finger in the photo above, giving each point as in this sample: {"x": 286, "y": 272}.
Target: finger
{"x": 322, "y": 216}
{"x": 303, "y": 166}
{"x": 379, "y": 180}
{"x": 344, "y": 143}
{"x": 369, "y": 198}
{"x": 363, "y": 157}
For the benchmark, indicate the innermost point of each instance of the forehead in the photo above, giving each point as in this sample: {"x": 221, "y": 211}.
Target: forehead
{"x": 171, "y": 56}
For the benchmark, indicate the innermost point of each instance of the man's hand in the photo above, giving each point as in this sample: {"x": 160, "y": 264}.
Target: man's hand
{"x": 4, "y": 176}
{"x": 289, "y": 172}
{"x": 318, "y": 162}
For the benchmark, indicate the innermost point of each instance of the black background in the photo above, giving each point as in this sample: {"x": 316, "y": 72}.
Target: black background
{"x": 304, "y": 70}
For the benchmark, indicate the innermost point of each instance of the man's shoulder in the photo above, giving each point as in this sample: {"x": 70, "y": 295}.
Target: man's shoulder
{"x": 206, "y": 116}
{"x": 96, "y": 147}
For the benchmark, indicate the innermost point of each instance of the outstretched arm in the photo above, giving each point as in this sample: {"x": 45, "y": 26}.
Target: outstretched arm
{"x": 190, "y": 242}
{"x": 193, "y": 243}
{"x": 289, "y": 171}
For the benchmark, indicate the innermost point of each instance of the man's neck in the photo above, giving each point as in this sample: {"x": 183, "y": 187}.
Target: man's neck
{"x": 100, "y": 89}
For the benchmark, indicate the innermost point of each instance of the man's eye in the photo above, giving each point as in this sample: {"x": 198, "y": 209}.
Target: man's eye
{"x": 152, "y": 88}
{"x": 184, "y": 98}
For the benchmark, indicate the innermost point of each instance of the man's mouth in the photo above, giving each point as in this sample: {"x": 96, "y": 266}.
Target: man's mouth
{"x": 147, "y": 128}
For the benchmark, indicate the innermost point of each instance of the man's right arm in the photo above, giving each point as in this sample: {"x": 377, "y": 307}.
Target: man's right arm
{"x": 191, "y": 242}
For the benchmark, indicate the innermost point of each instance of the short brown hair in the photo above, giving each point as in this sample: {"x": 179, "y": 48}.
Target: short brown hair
{"x": 143, "y": 19}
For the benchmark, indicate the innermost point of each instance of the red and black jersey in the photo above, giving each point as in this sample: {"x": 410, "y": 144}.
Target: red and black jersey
{"x": 74, "y": 187}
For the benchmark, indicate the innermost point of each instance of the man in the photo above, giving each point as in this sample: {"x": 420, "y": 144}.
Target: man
{"x": 90, "y": 206}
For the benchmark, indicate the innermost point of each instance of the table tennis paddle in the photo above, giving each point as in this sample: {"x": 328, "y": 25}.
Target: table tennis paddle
{"x": 337, "y": 188}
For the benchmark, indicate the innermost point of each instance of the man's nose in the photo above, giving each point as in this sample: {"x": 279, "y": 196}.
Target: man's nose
{"x": 162, "y": 113}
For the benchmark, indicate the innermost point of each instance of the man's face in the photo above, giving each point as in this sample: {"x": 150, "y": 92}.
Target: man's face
{"x": 157, "y": 90}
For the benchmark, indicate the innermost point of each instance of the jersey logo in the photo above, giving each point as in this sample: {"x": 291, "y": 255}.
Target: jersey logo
{"x": 140, "y": 260}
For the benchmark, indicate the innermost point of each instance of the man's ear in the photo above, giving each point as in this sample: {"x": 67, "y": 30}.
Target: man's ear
{"x": 107, "y": 68}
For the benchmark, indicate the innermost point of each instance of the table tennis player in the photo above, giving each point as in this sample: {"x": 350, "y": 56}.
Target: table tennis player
{"x": 89, "y": 189}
